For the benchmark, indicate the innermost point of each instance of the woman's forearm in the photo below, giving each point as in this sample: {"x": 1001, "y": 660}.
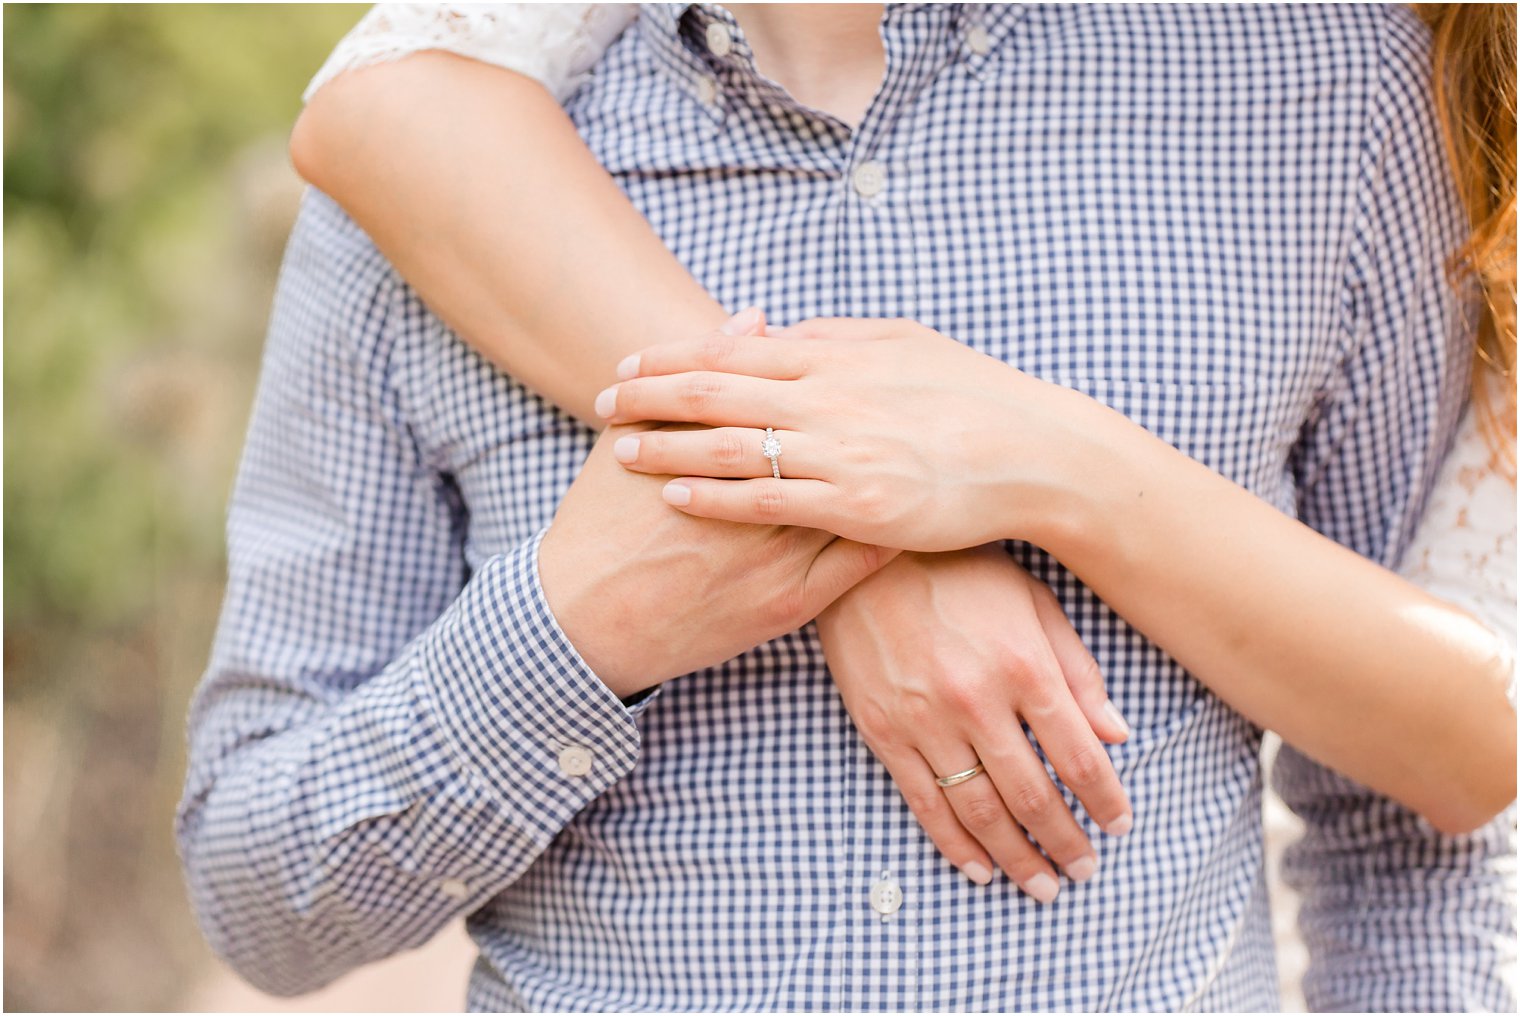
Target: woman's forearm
{"x": 476, "y": 186}
{"x": 1347, "y": 661}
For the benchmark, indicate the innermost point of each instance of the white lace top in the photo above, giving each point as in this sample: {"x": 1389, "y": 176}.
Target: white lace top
{"x": 1464, "y": 552}
{"x": 555, "y": 44}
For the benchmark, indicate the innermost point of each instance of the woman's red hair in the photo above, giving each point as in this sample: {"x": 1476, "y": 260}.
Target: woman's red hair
{"x": 1473, "y": 46}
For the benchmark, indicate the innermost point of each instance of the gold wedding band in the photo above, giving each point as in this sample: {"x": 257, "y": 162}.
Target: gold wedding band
{"x": 956, "y": 778}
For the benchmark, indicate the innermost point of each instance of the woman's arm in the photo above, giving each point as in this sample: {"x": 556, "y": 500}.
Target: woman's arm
{"x": 475, "y": 185}
{"x": 1347, "y": 661}
{"x": 1356, "y": 667}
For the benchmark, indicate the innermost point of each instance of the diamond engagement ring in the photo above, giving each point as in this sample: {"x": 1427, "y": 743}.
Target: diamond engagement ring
{"x": 956, "y": 778}
{"x": 770, "y": 447}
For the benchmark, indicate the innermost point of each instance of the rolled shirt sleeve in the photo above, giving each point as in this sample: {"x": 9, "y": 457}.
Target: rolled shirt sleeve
{"x": 382, "y": 741}
{"x": 1397, "y": 917}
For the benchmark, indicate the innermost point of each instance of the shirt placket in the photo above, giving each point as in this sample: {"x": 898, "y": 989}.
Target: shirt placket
{"x": 887, "y": 875}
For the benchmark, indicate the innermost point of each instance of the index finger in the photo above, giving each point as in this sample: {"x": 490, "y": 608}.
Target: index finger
{"x": 755, "y": 356}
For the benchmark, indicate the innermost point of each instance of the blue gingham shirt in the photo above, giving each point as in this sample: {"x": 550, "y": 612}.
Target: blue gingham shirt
{"x": 1230, "y": 224}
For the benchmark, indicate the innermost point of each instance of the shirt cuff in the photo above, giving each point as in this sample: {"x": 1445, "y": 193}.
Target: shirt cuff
{"x": 521, "y": 705}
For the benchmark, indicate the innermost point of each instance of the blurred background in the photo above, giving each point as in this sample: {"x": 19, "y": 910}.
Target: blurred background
{"x": 147, "y": 200}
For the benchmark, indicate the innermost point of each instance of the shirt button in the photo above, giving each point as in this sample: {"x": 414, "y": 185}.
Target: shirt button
{"x": 870, "y": 179}
{"x": 707, "y": 91}
{"x": 886, "y": 897}
{"x": 575, "y": 761}
{"x": 454, "y": 888}
{"x": 978, "y": 41}
{"x": 719, "y": 42}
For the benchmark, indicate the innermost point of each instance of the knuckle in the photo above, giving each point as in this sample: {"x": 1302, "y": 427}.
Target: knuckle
{"x": 1088, "y": 672}
{"x": 982, "y": 815}
{"x": 728, "y": 449}
{"x": 873, "y": 721}
{"x": 788, "y": 607}
{"x": 871, "y": 503}
{"x": 717, "y": 351}
{"x": 1034, "y": 802}
{"x": 1085, "y": 768}
{"x": 872, "y": 557}
{"x": 1038, "y": 699}
{"x": 962, "y": 693}
{"x": 767, "y": 501}
{"x": 699, "y": 392}
{"x": 927, "y": 804}
{"x": 918, "y": 711}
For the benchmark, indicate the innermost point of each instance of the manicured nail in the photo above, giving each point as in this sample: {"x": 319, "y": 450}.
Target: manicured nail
{"x": 741, "y": 322}
{"x": 628, "y": 367}
{"x": 1114, "y": 714}
{"x": 1082, "y": 869}
{"x": 677, "y": 494}
{"x": 1042, "y": 887}
{"x": 626, "y": 449}
{"x": 977, "y": 872}
{"x": 606, "y": 403}
{"x": 1121, "y": 825}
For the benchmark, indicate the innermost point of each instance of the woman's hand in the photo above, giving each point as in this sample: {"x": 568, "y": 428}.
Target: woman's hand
{"x": 890, "y": 433}
{"x": 938, "y": 658}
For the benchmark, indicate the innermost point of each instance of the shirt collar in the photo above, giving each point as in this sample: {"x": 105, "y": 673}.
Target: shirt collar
{"x": 677, "y": 37}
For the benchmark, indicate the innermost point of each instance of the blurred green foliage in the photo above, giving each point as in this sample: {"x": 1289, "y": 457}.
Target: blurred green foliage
{"x": 146, "y": 197}
{"x": 122, "y": 124}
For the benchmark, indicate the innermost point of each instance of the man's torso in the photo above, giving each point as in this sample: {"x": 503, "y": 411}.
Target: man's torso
{"x": 1151, "y": 206}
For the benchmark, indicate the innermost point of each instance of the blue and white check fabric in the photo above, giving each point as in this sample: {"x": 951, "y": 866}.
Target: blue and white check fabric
{"x": 1230, "y": 223}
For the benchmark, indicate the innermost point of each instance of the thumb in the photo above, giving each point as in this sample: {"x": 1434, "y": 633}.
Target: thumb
{"x": 1083, "y": 676}
{"x": 837, "y": 568}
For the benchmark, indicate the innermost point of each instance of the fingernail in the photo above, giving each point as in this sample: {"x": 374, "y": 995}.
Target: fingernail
{"x": 677, "y": 494}
{"x": 1114, "y": 714}
{"x": 741, "y": 322}
{"x": 1042, "y": 887}
{"x": 606, "y": 403}
{"x": 626, "y": 449}
{"x": 1121, "y": 825}
{"x": 628, "y": 367}
{"x": 1082, "y": 869}
{"x": 977, "y": 872}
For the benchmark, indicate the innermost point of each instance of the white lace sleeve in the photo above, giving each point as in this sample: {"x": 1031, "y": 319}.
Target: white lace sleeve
{"x": 555, "y": 44}
{"x": 1464, "y": 552}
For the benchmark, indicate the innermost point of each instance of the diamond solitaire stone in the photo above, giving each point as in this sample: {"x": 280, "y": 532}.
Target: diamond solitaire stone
{"x": 770, "y": 447}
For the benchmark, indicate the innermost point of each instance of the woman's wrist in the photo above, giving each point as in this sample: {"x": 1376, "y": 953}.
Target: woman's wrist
{"x": 1089, "y": 471}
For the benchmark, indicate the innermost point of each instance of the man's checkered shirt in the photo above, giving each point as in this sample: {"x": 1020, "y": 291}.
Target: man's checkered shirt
{"x": 1230, "y": 223}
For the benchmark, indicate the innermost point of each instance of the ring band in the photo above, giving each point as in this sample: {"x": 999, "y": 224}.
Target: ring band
{"x": 770, "y": 447}
{"x": 957, "y": 778}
